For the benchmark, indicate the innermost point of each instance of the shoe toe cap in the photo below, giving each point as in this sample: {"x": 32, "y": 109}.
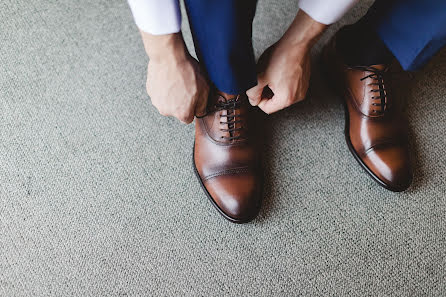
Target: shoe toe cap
{"x": 237, "y": 196}
{"x": 391, "y": 165}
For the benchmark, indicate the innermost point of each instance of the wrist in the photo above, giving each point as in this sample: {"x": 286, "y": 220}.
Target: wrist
{"x": 304, "y": 32}
{"x": 168, "y": 47}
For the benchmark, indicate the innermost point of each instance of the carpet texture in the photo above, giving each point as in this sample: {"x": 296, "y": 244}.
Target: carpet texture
{"x": 98, "y": 196}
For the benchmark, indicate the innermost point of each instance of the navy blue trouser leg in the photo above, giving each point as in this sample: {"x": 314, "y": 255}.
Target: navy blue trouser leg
{"x": 413, "y": 30}
{"x": 222, "y": 33}
{"x": 222, "y": 30}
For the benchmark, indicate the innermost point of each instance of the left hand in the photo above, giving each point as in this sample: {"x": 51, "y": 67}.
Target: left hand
{"x": 285, "y": 69}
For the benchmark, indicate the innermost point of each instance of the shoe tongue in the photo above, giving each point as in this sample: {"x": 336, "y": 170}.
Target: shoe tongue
{"x": 226, "y": 97}
{"x": 221, "y": 99}
{"x": 380, "y": 67}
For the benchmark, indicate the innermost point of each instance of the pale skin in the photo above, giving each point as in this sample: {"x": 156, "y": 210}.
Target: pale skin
{"x": 175, "y": 83}
{"x": 285, "y": 66}
{"x": 177, "y": 87}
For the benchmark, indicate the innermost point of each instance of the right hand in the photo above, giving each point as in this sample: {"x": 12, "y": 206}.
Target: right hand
{"x": 177, "y": 87}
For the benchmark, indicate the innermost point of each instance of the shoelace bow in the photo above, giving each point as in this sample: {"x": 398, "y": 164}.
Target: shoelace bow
{"x": 230, "y": 106}
{"x": 378, "y": 76}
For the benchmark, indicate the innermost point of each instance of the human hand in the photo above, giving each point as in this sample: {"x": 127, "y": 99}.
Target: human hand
{"x": 284, "y": 68}
{"x": 286, "y": 72}
{"x": 175, "y": 83}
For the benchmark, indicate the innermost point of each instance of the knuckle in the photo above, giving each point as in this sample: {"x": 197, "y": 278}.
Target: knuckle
{"x": 290, "y": 101}
{"x": 185, "y": 119}
{"x": 162, "y": 111}
{"x": 180, "y": 115}
{"x": 265, "y": 110}
{"x": 300, "y": 97}
{"x": 183, "y": 114}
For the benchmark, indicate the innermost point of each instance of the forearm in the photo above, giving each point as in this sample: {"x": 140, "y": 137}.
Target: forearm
{"x": 164, "y": 47}
{"x": 303, "y": 31}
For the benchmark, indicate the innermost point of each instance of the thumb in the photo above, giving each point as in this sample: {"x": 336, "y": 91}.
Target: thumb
{"x": 255, "y": 93}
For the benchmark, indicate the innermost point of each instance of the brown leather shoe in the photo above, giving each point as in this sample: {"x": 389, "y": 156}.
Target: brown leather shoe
{"x": 227, "y": 158}
{"x": 375, "y": 130}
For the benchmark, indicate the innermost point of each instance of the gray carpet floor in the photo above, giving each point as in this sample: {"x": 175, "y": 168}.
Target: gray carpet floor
{"x": 98, "y": 196}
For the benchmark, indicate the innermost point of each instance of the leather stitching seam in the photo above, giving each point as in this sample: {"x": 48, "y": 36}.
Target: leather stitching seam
{"x": 228, "y": 172}
{"x": 382, "y": 144}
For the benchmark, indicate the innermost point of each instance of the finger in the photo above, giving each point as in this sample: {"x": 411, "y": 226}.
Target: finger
{"x": 255, "y": 93}
{"x": 274, "y": 104}
{"x": 186, "y": 118}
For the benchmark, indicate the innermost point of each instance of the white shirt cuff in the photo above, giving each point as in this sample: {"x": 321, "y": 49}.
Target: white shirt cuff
{"x": 326, "y": 11}
{"x": 156, "y": 17}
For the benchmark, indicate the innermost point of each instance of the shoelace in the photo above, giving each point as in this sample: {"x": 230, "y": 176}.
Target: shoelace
{"x": 230, "y": 106}
{"x": 377, "y": 75}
